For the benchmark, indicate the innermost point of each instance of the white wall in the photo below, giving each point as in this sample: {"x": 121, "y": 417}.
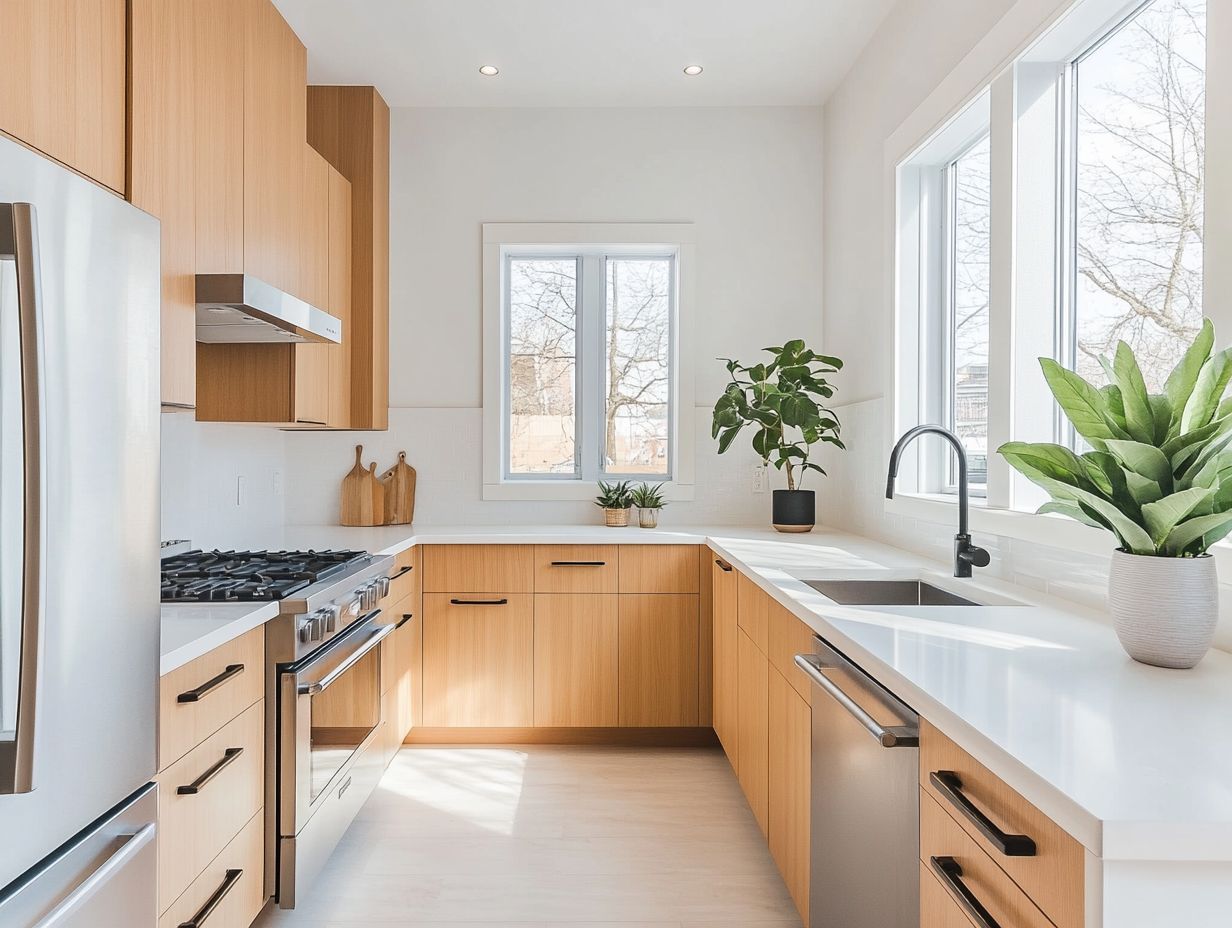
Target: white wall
{"x": 749, "y": 179}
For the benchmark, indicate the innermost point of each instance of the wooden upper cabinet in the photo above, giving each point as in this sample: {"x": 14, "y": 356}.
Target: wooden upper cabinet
{"x": 65, "y": 81}
{"x": 350, "y": 127}
{"x": 311, "y": 368}
{"x": 339, "y": 296}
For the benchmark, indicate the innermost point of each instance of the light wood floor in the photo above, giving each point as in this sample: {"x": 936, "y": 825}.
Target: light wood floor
{"x": 549, "y": 837}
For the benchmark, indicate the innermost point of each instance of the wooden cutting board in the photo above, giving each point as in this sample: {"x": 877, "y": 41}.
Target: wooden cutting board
{"x": 363, "y": 495}
{"x": 399, "y": 483}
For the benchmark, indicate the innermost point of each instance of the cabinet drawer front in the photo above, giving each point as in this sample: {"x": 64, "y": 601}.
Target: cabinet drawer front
{"x": 478, "y": 659}
{"x": 937, "y": 907}
{"x": 479, "y": 568}
{"x": 1053, "y": 875}
{"x": 225, "y": 775}
{"x": 237, "y": 898}
{"x": 576, "y": 568}
{"x": 659, "y": 568}
{"x": 202, "y": 696}
{"x": 941, "y": 837}
{"x": 753, "y": 611}
{"x": 787, "y": 636}
{"x": 576, "y": 662}
{"x": 405, "y": 575}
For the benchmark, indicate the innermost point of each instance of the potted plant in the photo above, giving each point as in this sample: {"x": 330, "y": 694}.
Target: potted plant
{"x": 1159, "y": 477}
{"x": 648, "y": 500}
{"x": 615, "y": 499}
{"x": 782, "y": 400}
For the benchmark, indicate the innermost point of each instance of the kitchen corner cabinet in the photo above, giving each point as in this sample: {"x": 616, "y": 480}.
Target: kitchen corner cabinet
{"x": 65, "y": 82}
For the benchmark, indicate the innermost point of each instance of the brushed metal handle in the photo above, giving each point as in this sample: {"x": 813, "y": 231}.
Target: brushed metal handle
{"x": 890, "y": 736}
{"x": 320, "y": 686}
{"x": 198, "y": 693}
{"x": 19, "y": 241}
{"x": 229, "y": 756}
{"x": 228, "y": 883}
{"x": 71, "y": 904}
{"x": 949, "y": 872}
{"x": 949, "y": 784}
{"x": 479, "y": 602}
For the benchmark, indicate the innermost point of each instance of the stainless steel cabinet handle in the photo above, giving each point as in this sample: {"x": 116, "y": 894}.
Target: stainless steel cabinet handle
{"x": 229, "y": 756}
{"x": 949, "y": 784}
{"x": 890, "y": 736}
{"x": 19, "y": 241}
{"x": 950, "y": 874}
{"x": 579, "y": 563}
{"x": 200, "y": 692}
{"x": 723, "y": 565}
{"x": 320, "y": 686}
{"x": 479, "y": 602}
{"x": 71, "y": 904}
{"x": 228, "y": 883}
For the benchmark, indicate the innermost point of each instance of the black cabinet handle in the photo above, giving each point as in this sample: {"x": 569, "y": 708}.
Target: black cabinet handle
{"x": 579, "y": 563}
{"x": 949, "y": 784}
{"x": 196, "y": 695}
{"x": 723, "y": 564}
{"x": 229, "y": 756}
{"x": 950, "y": 874}
{"x": 216, "y": 898}
{"x": 403, "y": 572}
{"x": 479, "y": 602}
{"x": 406, "y": 617}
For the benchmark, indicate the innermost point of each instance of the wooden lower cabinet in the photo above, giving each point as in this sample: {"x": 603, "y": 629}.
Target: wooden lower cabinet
{"x": 752, "y": 726}
{"x": 723, "y": 617}
{"x": 789, "y": 740}
{"x": 238, "y": 871}
{"x": 577, "y": 637}
{"x": 478, "y": 659}
{"x": 938, "y": 909}
{"x": 658, "y": 659}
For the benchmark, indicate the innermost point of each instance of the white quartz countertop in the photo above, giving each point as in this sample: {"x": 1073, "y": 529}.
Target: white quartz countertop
{"x": 1134, "y": 761}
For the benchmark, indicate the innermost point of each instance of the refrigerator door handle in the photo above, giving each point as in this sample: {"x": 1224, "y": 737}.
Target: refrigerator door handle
{"x": 19, "y": 242}
{"x": 90, "y": 886}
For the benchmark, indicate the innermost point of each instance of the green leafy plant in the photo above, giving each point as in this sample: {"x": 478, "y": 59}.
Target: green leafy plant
{"x": 614, "y": 495}
{"x": 648, "y": 497}
{"x": 1159, "y": 475}
{"x": 783, "y": 401}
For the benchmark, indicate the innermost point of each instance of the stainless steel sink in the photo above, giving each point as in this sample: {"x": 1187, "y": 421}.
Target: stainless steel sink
{"x": 887, "y": 593}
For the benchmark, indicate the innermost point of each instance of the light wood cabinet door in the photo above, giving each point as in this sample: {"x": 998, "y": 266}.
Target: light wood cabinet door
{"x": 659, "y": 568}
{"x": 790, "y": 732}
{"x": 479, "y": 568}
{"x": 937, "y": 907}
{"x": 245, "y": 894}
{"x": 408, "y": 670}
{"x": 576, "y": 660}
{"x": 311, "y": 369}
{"x": 65, "y": 81}
{"x": 751, "y": 727}
{"x": 753, "y": 611}
{"x": 478, "y": 659}
{"x": 787, "y": 636}
{"x": 723, "y": 609}
{"x": 658, "y": 660}
{"x": 338, "y": 296}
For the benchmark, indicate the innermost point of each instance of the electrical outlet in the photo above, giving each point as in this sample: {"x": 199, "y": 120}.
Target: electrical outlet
{"x": 241, "y": 489}
{"x": 760, "y": 478}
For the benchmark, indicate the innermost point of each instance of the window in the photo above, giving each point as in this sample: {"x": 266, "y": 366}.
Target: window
{"x": 585, "y": 335}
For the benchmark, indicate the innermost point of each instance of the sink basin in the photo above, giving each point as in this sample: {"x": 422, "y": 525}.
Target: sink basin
{"x": 887, "y": 593}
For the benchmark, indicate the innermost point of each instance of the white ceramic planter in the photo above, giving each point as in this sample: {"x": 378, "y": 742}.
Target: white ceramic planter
{"x": 1164, "y": 609}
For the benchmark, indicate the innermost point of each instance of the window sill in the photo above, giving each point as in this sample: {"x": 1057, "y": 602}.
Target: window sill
{"x": 566, "y": 490}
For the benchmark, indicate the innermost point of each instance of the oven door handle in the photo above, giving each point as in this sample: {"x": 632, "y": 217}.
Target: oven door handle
{"x": 320, "y": 686}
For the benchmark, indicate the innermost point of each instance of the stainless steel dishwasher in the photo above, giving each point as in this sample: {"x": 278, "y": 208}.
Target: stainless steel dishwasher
{"x": 865, "y": 829}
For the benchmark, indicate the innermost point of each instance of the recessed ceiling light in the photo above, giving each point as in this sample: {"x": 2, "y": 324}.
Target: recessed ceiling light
{"x": 693, "y": 70}
{"x": 489, "y": 70}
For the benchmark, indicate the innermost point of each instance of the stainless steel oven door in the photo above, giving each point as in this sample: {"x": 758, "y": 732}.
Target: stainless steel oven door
{"x": 329, "y": 711}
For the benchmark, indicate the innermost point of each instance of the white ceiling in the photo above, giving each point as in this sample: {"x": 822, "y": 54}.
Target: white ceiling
{"x": 586, "y": 52}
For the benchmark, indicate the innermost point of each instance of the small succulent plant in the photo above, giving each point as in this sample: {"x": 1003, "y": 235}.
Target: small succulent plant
{"x": 614, "y": 495}
{"x": 648, "y": 497}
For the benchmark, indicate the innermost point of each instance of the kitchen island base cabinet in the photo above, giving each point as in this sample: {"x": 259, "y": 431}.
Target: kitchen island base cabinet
{"x": 478, "y": 659}
{"x": 576, "y": 662}
{"x": 658, "y": 658}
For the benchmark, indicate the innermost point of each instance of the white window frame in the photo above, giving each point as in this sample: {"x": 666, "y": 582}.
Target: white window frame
{"x": 1022, "y": 64}
{"x": 593, "y": 243}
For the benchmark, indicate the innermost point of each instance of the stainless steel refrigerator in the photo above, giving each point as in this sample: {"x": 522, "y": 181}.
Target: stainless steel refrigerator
{"x": 79, "y": 527}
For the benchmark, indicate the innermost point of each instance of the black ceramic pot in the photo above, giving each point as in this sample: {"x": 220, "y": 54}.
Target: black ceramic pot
{"x": 794, "y": 510}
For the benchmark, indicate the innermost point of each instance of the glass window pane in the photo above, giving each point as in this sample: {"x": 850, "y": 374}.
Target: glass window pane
{"x": 638, "y": 366}
{"x": 542, "y": 373}
{"x": 970, "y": 239}
{"x": 1138, "y": 207}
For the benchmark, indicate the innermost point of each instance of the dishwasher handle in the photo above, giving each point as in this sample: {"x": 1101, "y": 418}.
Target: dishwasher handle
{"x": 890, "y": 736}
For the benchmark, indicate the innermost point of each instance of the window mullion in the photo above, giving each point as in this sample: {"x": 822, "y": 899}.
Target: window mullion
{"x": 590, "y": 411}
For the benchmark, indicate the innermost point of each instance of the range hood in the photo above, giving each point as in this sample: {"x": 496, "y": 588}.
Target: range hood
{"x": 239, "y": 309}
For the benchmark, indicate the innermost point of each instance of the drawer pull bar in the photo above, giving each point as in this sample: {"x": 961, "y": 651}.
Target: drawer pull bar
{"x": 949, "y": 784}
{"x": 196, "y": 695}
{"x": 950, "y": 874}
{"x": 403, "y": 572}
{"x": 579, "y": 563}
{"x": 406, "y": 617}
{"x": 479, "y": 602}
{"x": 215, "y": 900}
{"x": 229, "y": 756}
{"x": 723, "y": 565}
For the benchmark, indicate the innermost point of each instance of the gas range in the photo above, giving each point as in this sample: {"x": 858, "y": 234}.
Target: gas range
{"x": 252, "y": 576}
